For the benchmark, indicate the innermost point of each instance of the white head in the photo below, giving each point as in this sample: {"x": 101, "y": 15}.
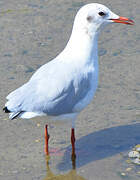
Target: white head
{"x": 92, "y": 17}
{"x": 88, "y": 22}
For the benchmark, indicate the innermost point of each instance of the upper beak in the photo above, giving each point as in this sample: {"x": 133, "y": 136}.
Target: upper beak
{"x": 123, "y": 20}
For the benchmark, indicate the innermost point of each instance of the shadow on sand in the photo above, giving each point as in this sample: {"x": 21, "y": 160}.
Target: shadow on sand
{"x": 102, "y": 144}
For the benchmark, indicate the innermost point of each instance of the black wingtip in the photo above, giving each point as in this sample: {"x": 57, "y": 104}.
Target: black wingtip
{"x": 5, "y": 109}
{"x": 16, "y": 115}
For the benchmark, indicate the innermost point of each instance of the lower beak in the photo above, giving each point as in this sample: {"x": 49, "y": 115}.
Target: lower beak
{"x": 123, "y": 20}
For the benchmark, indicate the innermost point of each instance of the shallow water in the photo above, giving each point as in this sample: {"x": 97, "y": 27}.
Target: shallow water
{"x": 32, "y": 33}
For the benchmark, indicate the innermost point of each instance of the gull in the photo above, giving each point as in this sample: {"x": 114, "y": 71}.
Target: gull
{"x": 63, "y": 87}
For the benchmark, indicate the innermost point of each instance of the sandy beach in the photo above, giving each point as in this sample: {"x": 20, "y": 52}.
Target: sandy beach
{"x": 31, "y": 34}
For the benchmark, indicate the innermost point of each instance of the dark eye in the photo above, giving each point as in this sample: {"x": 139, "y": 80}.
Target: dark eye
{"x": 101, "y": 13}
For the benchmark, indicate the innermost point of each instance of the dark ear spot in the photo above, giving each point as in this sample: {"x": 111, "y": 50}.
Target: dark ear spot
{"x": 89, "y": 18}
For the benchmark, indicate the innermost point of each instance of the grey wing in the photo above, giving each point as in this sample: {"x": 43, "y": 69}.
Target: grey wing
{"x": 53, "y": 93}
{"x": 17, "y": 98}
{"x": 64, "y": 92}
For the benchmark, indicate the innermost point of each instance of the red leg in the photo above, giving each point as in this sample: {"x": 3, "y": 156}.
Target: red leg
{"x": 46, "y": 140}
{"x": 73, "y": 144}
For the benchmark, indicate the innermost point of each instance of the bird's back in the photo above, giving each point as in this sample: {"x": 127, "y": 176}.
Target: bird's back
{"x": 55, "y": 89}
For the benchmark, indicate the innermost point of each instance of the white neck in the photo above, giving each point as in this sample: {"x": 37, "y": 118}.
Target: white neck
{"x": 82, "y": 46}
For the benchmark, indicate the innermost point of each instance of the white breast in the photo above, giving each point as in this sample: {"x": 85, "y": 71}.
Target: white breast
{"x": 89, "y": 96}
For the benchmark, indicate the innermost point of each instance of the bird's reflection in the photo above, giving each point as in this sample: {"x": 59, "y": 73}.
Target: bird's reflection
{"x": 71, "y": 175}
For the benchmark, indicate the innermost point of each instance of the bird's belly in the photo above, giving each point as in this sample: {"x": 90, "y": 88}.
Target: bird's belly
{"x": 89, "y": 96}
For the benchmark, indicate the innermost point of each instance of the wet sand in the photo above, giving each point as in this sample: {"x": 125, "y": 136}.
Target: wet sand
{"x": 31, "y": 34}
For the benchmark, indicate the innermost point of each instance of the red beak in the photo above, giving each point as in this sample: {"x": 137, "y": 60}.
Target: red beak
{"x": 123, "y": 20}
